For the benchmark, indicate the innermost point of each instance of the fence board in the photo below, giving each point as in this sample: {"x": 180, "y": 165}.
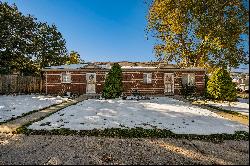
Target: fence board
{"x": 20, "y": 84}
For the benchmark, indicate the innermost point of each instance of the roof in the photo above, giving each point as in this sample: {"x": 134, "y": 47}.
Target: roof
{"x": 107, "y": 65}
{"x": 71, "y": 66}
{"x": 124, "y": 65}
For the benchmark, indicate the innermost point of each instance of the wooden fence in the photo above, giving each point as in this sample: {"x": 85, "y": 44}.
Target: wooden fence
{"x": 20, "y": 84}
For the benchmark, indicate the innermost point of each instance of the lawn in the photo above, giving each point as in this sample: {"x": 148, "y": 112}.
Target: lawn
{"x": 161, "y": 113}
{"x": 241, "y": 106}
{"x": 13, "y": 106}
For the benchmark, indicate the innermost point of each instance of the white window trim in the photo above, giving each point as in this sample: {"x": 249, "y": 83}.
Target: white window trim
{"x": 189, "y": 79}
{"x": 147, "y": 79}
{"x": 106, "y": 75}
{"x": 66, "y": 74}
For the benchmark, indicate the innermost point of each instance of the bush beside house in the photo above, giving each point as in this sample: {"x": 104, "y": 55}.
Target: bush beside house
{"x": 206, "y": 94}
{"x": 221, "y": 87}
{"x": 113, "y": 83}
{"x": 188, "y": 90}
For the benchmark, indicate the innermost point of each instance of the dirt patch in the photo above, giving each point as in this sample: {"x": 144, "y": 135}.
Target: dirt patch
{"x": 241, "y": 119}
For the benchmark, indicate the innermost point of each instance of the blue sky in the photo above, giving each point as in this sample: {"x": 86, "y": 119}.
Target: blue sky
{"x": 100, "y": 30}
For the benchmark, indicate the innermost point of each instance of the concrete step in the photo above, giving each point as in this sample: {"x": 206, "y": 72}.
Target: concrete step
{"x": 91, "y": 96}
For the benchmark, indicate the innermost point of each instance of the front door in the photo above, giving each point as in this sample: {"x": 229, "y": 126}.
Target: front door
{"x": 91, "y": 81}
{"x": 169, "y": 83}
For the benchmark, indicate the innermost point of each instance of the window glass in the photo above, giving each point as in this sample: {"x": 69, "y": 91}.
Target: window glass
{"x": 66, "y": 78}
{"x": 144, "y": 78}
{"x": 188, "y": 79}
{"x": 184, "y": 79}
{"x": 147, "y": 78}
{"x": 191, "y": 80}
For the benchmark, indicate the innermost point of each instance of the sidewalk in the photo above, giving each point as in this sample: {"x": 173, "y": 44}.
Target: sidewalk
{"x": 11, "y": 126}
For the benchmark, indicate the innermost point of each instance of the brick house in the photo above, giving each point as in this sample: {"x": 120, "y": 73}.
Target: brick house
{"x": 151, "y": 78}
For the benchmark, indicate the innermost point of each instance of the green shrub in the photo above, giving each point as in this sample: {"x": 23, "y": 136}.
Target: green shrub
{"x": 136, "y": 93}
{"x": 188, "y": 90}
{"x": 206, "y": 94}
{"x": 221, "y": 87}
{"x": 113, "y": 83}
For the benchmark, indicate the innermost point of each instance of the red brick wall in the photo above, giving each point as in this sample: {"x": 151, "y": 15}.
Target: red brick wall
{"x": 132, "y": 80}
{"x": 199, "y": 81}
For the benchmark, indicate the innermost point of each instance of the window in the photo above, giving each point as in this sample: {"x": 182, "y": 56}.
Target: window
{"x": 147, "y": 78}
{"x": 106, "y": 75}
{"x": 188, "y": 79}
{"x": 66, "y": 78}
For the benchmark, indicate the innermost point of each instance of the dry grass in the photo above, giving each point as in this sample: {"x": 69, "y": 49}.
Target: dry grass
{"x": 234, "y": 116}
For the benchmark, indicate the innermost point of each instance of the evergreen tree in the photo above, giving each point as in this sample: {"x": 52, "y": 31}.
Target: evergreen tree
{"x": 113, "y": 83}
{"x": 27, "y": 45}
{"x": 16, "y": 39}
{"x": 206, "y": 95}
{"x": 221, "y": 87}
{"x": 51, "y": 49}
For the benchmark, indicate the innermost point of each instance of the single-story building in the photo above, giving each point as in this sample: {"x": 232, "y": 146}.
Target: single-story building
{"x": 151, "y": 78}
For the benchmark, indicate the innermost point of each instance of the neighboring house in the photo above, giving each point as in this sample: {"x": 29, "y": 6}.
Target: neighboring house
{"x": 241, "y": 80}
{"x": 152, "y": 78}
{"x": 244, "y": 84}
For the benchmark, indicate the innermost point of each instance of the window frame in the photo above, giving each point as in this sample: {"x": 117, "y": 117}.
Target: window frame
{"x": 189, "y": 76}
{"x": 106, "y": 75}
{"x": 147, "y": 78}
{"x": 68, "y": 75}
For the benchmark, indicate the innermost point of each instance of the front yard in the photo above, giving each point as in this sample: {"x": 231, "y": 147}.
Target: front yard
{"x": 241, "y": 106}
{"x": 161, "y": 113}
{"x": 14, "y": 106}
